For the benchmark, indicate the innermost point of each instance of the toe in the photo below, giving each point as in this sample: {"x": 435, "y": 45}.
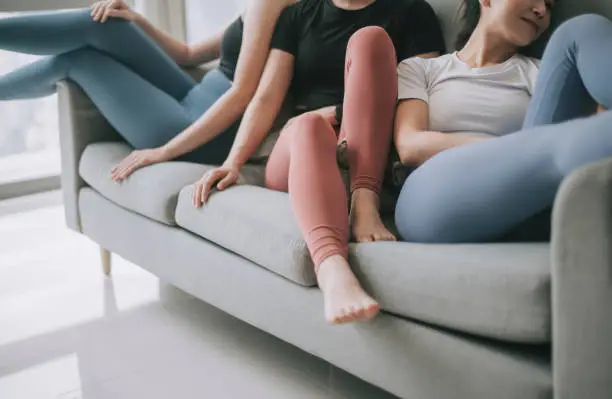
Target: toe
{"x": 372, "y": 310}
{"x": 360, "y": 313}
{"x": 366, "y": 238}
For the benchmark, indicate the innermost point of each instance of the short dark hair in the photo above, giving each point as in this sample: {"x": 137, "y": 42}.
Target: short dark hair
{"x": 471, "y": 18}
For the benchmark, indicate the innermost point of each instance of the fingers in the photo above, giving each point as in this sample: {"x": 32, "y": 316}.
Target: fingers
{"x": 197, "y": 191}
{"x": 210, "y": 182}
{"x": 200, "y": 188}
{"x": 100, "y": 11}
{"x": 105, "y": 15}
{"x": 203, "y": 187}
{"x": 126, "y": 167}
{"x": 94, "y": 9}
{"x": 107, "y": 10}
{"x": 226, "y": 182}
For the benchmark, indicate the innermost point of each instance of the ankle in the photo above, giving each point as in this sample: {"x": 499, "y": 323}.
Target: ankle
{"x": 364, "y": 199}
{"x": 330, "y": 269}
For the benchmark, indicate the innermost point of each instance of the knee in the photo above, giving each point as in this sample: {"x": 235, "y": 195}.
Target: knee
{"x": 587, "y": 24}
{"x": 423, "y": 219}
{"x": 312, "y": 131}
{"x": 372, "y": 42}
{"x": 112, "y": 30}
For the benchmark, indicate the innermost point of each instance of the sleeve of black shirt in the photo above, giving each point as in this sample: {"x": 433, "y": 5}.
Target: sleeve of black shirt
{"x": 423, "y": 33}
{"x": 285, "y": 35}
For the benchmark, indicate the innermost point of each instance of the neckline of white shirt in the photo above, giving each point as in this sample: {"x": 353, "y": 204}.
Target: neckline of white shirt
{"x": 488, "y": 69}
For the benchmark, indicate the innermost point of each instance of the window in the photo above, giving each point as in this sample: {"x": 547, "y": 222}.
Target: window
{"x": 206, "y": 17}
{"x": 29, "y": 135}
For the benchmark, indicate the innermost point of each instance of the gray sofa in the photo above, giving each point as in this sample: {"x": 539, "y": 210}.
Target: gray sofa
{"x": 482, "y": 321}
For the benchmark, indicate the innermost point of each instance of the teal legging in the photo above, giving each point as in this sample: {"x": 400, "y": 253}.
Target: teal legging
{"x": 482, "y": 191}
{"x": 142, "y": 92}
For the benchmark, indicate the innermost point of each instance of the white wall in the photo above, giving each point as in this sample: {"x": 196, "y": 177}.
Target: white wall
{"x": 205, "y": 17}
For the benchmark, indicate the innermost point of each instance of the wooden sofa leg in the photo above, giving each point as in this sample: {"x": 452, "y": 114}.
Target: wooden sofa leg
{"x": 105, "y": 256}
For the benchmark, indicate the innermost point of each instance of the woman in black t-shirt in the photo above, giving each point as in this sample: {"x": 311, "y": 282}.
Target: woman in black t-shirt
{"x": 132, "y": 72}
{"x": 318, "y": 48}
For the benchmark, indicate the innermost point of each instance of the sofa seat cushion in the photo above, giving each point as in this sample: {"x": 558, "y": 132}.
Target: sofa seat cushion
{"x": 152, "y": 191}
{"x": 255, "y": 223}
{"x": 499, "y": 291}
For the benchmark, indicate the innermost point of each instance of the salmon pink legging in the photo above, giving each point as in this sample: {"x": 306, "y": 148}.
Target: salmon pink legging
{"x": 303, "y": 162}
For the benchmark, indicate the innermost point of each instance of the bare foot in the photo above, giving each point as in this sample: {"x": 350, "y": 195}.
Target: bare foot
{"x": 601, "y": 109}
{"x": 365, "y": 218}
{"x": 345, "y": 300}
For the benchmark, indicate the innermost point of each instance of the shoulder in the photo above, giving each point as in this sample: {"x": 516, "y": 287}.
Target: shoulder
{"x": 530, "y": 66}
{"x": 530, "y": 69}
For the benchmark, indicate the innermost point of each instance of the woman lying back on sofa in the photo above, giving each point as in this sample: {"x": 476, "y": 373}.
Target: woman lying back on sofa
{"x": 338, "y": 55}
{"x": 490, "y": 145}
{"x": 130, "y": 70}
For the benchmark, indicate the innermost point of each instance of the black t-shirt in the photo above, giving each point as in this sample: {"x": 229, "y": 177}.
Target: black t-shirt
{"x": 230, "y": 48}
{"x": 317, "y": 33}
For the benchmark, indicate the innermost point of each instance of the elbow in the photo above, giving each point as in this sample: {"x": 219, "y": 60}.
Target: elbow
{"x": 184, "y": 57}
{"x": 408, "y": 151}
{"x": 414, "y": 149}
{"x": 408, "y": 155}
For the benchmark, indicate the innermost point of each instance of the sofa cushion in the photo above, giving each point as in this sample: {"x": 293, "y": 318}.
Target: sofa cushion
{"x": 499, "y": 291}
{"x": 255, "y": 223}
{"x": 496, "y": 290}
{"x": 151, "y": 191}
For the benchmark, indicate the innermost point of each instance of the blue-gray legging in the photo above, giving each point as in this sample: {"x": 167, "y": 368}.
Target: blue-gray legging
{"x": 142, "y": 92}
{"x": 481, "y": 191}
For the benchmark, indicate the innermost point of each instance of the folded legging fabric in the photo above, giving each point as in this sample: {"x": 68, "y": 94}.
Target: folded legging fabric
{"x": 304, "y": 161}
{"x": 481, "y": 191}
{"x": 142, "y": 92}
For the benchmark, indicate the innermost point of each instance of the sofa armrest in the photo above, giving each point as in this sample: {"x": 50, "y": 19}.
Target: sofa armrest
{"x": 80, "y": 125}
{"x": 582, "y": 284}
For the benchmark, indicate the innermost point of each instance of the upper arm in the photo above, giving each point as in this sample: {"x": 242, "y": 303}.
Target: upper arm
{"x": 413, "y": 109}
{"x": 412, "y": 117}
{"x": 259, "y": 23}
{"x": 276, "y": 78}
{"x": 423, "y": 32}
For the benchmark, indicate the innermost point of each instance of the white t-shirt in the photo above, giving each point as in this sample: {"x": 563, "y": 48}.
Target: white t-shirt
{"x": 489, "y": 101}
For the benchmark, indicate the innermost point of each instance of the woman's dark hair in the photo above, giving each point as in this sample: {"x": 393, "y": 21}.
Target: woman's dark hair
{"x": 471, "y": 17}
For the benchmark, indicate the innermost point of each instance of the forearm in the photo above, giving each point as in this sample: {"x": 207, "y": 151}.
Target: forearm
{"x": 415, "y": 148}
{"x": 214, "y": 122}
{"x": 256, "y": 123}
{"x": 176, "y": 49}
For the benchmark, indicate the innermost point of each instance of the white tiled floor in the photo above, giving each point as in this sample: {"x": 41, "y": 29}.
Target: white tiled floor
{"x": 66, "y": 332}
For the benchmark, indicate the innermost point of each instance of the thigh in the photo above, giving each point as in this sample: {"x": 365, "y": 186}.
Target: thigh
{"x": 143, "y": 114}
{"x": 54, "y": 33}
{"x": 129, "y": 44}
{"x": 277, "y": 168}
{"x": 481, "y": 191}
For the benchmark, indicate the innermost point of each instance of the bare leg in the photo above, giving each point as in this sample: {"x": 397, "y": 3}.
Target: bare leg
{"x": 366, "y": 223}
{"x": 345, "y": 300}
